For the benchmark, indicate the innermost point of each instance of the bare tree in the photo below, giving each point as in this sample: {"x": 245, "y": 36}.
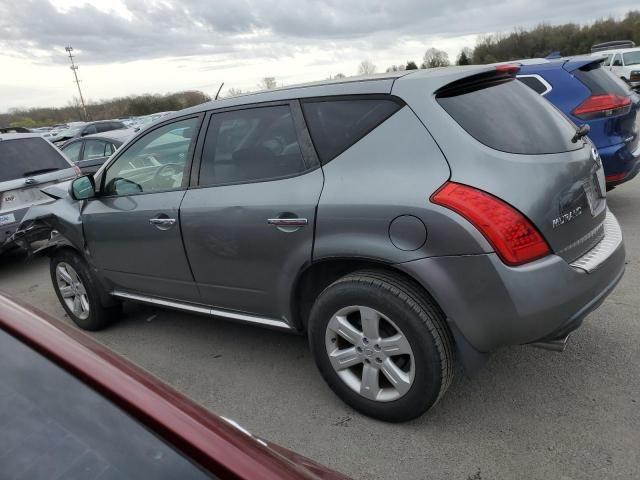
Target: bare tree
{"x": 233, "y": 92}
{"x": 396, "y": 68}
{"x": 267, "y": 83}
{"x": 366, "y": 67}
{"x": 337, "y": 76}
{"x": 435, "y": 58}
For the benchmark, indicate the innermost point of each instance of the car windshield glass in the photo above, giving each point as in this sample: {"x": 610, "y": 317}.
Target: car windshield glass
{"x": 55, "y": 426}
{"x": 632, "y": 58}
{"x": 69, "y": 132}
{"x": 28, "y": 156}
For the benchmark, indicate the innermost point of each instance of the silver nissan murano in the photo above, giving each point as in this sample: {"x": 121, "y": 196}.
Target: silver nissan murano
{"x": 402, "y": 222}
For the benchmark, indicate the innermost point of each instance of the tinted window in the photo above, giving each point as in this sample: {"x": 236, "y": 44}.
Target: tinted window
{"x": 600, "y": 81}
{"x": 28, "y": 157}
{"x": 335, "y": 125}
{"x": 72, "y": 151}
{"x": 53, "y": 426}
{"x": 154, "y": 162}
{"x": 534, "y": 84}
{"x": 509, "y": 117}
{"x": 617, "y": 61}
{"x": 95, "y": 149}
{"x": 251, "y": 145}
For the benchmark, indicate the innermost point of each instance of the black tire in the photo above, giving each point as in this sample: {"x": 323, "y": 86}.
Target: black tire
{"x": 414, "y": 313}
{"x": 99, "y": 316}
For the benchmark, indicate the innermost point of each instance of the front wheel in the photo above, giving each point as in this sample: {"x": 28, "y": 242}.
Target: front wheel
{"x": 79, "y": 293}
{"x": 382, "y": 345}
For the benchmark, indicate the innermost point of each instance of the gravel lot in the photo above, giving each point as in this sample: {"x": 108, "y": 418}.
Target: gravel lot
{"x": 528, "y": 414}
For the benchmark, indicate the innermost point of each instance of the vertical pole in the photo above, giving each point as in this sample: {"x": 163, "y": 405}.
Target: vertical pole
{"x": 74, "y": 67}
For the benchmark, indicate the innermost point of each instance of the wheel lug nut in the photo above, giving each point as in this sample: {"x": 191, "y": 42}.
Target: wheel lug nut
{"x": 359, "y": 349}
{"x": 376, "y": 347}
{"x": 366, "y": 360}
{"x": 365, "y": 341}
{"x": 378, "y": 360}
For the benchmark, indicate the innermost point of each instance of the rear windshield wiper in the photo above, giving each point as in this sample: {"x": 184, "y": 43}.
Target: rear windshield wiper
{"x": 581, "y": 131}
{"x": 39, "y": 172}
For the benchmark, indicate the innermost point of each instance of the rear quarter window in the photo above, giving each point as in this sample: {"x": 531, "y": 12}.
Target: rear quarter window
{"x": 337, "y": 124}
{"x": 28, "y": 157}
{"x": 510, "y": 117}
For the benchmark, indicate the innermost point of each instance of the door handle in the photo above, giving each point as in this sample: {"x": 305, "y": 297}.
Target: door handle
{"x": 162, "y": 223}
{"x": 288, "y": 222}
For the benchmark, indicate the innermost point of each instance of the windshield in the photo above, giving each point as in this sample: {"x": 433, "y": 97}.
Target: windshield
{"x": 69, "y": 132}
{"x": 27, "y": 157}
{"x": 632, "y": 58}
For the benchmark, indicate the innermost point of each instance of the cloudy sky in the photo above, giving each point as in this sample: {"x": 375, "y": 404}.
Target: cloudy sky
{"x": 126, "y": 47}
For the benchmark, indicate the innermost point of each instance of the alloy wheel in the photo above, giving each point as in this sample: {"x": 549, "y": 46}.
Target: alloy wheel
{"x": 370, "y": 353}
{"x": 72, "y": 290}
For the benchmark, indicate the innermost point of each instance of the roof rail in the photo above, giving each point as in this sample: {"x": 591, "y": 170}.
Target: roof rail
{"x": 612, "y": 45}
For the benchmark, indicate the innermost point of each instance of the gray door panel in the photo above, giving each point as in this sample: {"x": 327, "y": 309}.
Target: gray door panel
{"x": 135, "y": 254}
{"x": 240, "y": 260}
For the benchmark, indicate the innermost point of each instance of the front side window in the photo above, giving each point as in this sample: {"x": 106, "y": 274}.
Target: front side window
{"x": 617, "y": 61}
{"x": 153, "y": 163}
{"x": 335, "y": 125}
{"x": 72, "y": 151}
{"x": 251, "y": 145}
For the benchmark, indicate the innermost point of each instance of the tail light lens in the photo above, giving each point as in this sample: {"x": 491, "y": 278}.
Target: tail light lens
{"x": 510, "y": 233}
{"x": 598, "y": 106}
{"x": 635, "y": 76}
{"x": 77, "y": 170}
{"x": 509, "y": 68}
{"x": 616, "y": 177}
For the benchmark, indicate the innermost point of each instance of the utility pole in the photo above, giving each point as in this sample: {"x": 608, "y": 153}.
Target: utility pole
{"x": 74, "y": 67}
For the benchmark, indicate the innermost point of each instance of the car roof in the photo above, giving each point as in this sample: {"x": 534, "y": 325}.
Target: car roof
{"x": 616, "y": 50}
{"x": 371, "y": 84}
{"x": 119, "y": 135}
{"x": 18, "y": 136}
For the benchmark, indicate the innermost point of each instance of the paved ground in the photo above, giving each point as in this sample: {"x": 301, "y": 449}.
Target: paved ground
{"x": 528, "y": 414}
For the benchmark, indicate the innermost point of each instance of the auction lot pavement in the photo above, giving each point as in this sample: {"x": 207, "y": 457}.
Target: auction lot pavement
{"x": 528, "y": 414}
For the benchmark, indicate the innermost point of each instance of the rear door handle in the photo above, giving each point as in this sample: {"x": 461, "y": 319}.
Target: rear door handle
{"x": 288, "y": 222}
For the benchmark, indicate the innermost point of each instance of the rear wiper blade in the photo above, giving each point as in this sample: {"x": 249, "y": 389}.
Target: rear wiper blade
{"x": 39, "y": 172}
{"x": 582, "y": 131}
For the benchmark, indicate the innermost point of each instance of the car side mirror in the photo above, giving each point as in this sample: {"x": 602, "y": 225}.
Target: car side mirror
{"x": 83, "y": 188}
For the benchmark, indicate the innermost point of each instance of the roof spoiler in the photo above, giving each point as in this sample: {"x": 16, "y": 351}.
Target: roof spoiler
{"x": 501, "y": 73}
{"x": 583, "y": 63}
{"x": 598, "y": 47}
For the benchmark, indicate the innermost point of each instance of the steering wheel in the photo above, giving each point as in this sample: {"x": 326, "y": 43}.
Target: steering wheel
{"x": 164, "y": 176}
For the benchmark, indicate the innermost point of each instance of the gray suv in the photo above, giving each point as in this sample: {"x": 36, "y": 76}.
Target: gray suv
{"x": 399, "y": 221}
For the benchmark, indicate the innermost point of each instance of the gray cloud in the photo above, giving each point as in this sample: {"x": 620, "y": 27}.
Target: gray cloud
{"x": 259, "y": 28}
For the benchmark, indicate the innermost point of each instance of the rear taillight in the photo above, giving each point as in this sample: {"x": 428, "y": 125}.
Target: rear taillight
{"x": 635, "y": 76}
{"x": 510, "y": 68}
{"x": 77, "y": 170}
{"x": 598, "y": 106}
{"x": 512, "y": 236}
{"x": 616, "y": 177}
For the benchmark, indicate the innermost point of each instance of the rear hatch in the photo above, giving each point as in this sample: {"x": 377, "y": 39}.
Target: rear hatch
{"x": 521, "y": 149}
{"x": 612, "y": 108}
{"x": 26, "y": 166}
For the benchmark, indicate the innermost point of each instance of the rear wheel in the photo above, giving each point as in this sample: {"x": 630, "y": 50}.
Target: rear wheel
{"x": 382, "y": 345}
{"x": 79, "y": 293}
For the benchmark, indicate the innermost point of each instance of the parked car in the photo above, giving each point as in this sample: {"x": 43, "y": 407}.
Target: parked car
{"x": 588, "y": 94}
{"x": 399, "y": 221}
{"x": 15, "y": 130}
{"x": 73, "y": 409}
{"x": 91, "y": 151}
{"x": 27, "y": 164}
{"x": 624, "y": 63}
{"x": 77, "y": 131}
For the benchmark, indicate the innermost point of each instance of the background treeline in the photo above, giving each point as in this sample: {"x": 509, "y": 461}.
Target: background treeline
{"x": 103, "y": 110}
{"x": 568, "y": 39}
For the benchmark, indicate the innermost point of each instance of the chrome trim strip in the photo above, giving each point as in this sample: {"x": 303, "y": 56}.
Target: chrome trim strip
{"x": 202, "y": 310}
{"x": 599, "y": 254}
{"x": 288, "y": 222}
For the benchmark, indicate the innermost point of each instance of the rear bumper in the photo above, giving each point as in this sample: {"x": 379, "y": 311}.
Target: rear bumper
{"x": 620, "y": 163}
{"x": 7, "y": 230}
{"x": 493, "y": 305}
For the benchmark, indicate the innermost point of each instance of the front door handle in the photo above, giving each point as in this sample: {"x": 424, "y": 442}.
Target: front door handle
{"x": 163, "y": 223}
{"x": 288, "y": 222}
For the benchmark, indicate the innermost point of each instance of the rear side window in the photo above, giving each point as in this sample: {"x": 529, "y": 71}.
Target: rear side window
{"x": 600, "y": 81}
{"x": 72, "y": 151}
{"x": 251, "y": 145}
{"x": 95, "y": 149}
{"x": 335, "y": 125}
{"x": 510, "y": 117}
{"x": 29, "y": 157}
{"x": 534, "y": 83}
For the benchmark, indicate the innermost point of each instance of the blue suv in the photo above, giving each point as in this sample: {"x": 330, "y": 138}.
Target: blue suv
{"x": 587, "y": 93}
